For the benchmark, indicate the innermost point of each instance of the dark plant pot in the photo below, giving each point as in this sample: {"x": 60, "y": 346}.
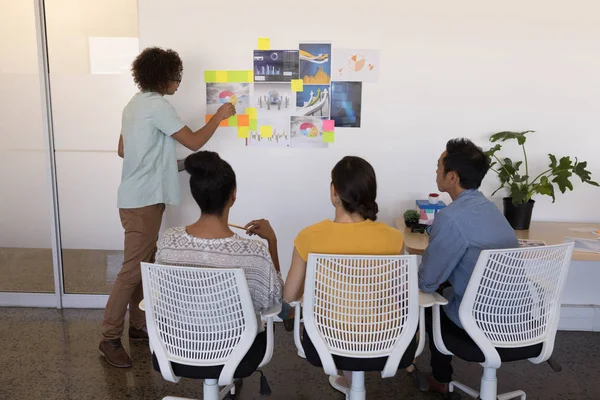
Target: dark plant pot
{"x": 410, "y": 222}
{"x": 519, "y": 217}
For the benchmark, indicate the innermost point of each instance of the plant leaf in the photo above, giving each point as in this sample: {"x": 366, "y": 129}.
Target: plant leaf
{"x": 583, "y": 174}
{"x": 490, "y": 153}
{"x": 545, "y": 187}
{"x": 508, "y": 171}
{"x": 562, "y": 173}
{"x": 552, "y": 161}
{"x": 508, "y": 135}
{"x": 519, "y": 193}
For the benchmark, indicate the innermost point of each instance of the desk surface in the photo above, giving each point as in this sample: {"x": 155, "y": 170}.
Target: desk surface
{"x": 549, "y": 232}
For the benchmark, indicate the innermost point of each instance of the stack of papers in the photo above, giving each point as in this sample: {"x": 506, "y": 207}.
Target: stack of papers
{"x": 531, "y": 243}
{"x": 586, "y": 245}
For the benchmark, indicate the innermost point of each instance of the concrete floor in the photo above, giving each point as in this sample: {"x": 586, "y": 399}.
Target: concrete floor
{"x": 52, "y": 354}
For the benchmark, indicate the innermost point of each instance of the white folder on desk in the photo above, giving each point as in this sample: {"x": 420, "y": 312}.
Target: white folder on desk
{"x": 586, "y": 245}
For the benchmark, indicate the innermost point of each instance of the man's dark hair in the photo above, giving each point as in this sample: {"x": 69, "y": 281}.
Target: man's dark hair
{"x": 154, "y": 68}
{"x": 468, "y": 161}
{"x": 212, "y": 181}
{"x": 354, "y": 180}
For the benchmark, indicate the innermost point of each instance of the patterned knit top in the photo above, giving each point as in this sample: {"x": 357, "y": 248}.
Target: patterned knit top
{"x": 177, "y": 247}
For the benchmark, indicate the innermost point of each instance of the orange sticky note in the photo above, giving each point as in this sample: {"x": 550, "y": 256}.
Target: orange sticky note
{"x": 264, "y": 44}
{"x": 328, "y": 137}
{"x": 266, "y": 131}
{"x": 297, "y": 85}
{"x": 221, "y": 76}
{"x": 251, "y": 112}
{"x": 223, "y": 123}
{"x": 243, "y": 132}
{"x": 243, "y": 120}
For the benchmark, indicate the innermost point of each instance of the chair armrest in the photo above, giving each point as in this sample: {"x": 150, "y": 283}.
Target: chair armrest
{"x": 297, "y": 302}
{"x": 268, "y": 316}
{"x": 431, "y": 299}
{"x": 297, "y": 319}
{"x": 271, "y": 312}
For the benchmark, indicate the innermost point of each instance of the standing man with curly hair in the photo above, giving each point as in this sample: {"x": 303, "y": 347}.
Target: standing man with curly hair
{"x": 149, "y": 128}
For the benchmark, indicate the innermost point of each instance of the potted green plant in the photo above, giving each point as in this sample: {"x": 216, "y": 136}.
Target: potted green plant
{"x": 411, "y": 217}
{"x": 518, "y": 206}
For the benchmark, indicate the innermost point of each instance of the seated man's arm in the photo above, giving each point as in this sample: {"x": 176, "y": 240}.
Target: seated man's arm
{"x": 446, "y": 247}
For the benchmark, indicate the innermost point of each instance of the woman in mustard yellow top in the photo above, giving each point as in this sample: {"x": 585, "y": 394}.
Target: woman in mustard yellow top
{"x": 353, "y": 231}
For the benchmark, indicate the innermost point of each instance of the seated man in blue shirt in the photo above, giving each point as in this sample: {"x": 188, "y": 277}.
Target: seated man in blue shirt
{"x": 471, "y": 223}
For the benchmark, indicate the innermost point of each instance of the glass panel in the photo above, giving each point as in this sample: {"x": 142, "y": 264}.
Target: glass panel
{"x": 25, "y": 207}
{"x": 90, "y": 47}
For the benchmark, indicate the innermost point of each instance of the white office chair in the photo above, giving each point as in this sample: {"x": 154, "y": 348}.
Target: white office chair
{"x": 510, "y": 311}
{"x": 360, "y": 314}
{"x": 202, "y": 325}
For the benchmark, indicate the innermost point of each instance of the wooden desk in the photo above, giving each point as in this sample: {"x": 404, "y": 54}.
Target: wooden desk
{"x": 549, "y": 232}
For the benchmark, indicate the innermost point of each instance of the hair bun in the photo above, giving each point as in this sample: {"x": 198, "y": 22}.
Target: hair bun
{"x": 202, "y": 164}
{"x": 369, "y": 211}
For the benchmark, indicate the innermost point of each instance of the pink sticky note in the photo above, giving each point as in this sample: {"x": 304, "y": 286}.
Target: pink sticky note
{"x": 328, "y": 125}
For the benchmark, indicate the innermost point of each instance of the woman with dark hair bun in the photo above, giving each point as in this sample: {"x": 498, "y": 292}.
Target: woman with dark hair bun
{"x": 352, "y": 231}
{"x": 209, "y": 242}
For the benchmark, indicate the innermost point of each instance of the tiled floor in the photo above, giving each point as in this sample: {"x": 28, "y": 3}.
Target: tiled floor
{"x": 51, "y": 354}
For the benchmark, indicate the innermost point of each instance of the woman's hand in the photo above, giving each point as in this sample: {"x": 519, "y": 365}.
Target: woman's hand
{"x": 261, "y": 228}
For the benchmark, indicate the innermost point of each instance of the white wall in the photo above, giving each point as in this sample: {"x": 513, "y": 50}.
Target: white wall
{"x": 465, "y": 68}
{"x": 448, "y": 69}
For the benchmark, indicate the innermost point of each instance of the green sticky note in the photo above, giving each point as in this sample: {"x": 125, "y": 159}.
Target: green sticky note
{"x": 237, "y": 76}
{"x": 210, "y": 76}
{"x": 232, "y": 121}
{"x": 328, "y": 137}
{"x": 253, "y": 125}
{"x": 266, "y": 131}
{"x": 243, "y": 132}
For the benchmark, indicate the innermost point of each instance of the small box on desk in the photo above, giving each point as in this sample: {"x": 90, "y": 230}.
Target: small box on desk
{"x": 427, "y": 211}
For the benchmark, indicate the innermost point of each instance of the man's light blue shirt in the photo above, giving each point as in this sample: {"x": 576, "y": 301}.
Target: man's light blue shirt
{"x": 149, "y": 164}
{"x": 459, "y": 232}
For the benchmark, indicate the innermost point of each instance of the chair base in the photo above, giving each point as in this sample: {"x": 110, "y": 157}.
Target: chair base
{"x": 211, "y": 391}
{"x": 477, "y": 395}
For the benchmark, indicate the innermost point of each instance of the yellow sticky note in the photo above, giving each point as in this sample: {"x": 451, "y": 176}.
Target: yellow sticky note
{"x": 243, "y": 132}
{"x": 221, "y": 76}
{"x": 328, "y": 137}
{"x": 297, "y": 85}
{"x": 251, "y": 112}
{"x": 264, "y": 43}
{"x": 266, "y": 131}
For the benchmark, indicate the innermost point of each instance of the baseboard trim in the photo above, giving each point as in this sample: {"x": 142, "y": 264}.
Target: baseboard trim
{"x": 574, "y": 317}
{"x": 42, "y": 300}
{"x": 85, "y": 300}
